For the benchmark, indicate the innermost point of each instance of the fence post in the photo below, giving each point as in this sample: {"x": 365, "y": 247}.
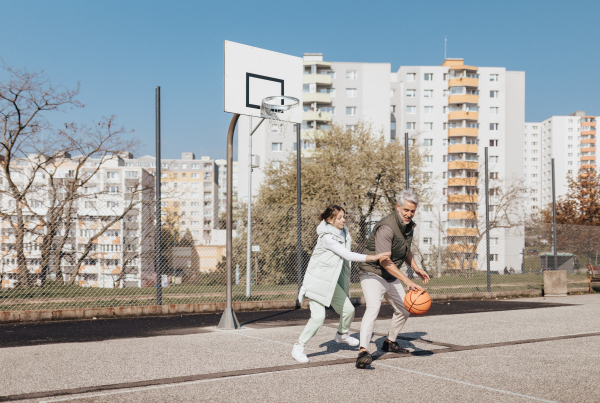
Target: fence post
{"x": 406, "y": 160}
{"x": 157, "y": 240}
{"x": 298, "y": 207}
{"x": 554, "y": 219}
{"x": 487, "y": 222}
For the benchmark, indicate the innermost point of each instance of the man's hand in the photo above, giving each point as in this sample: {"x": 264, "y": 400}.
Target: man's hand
{"x": 412, "y": 285}
{"x": 423, "y": 274}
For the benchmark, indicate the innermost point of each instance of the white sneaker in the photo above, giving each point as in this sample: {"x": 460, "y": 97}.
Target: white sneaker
{"x": 298, "y": 353}
{"x": 345, "y": 338}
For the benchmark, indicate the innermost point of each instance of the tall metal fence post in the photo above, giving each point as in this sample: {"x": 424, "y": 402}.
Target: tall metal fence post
{"x": 298, "y": 206}
{"x": 157, "y": 240}
{"x": 406, "y": 158}
{"x": 249, "y": 226}
{"x": 229, "y": 320}
{"x": 487, "y": 222}
{"x": 554, "y": 219}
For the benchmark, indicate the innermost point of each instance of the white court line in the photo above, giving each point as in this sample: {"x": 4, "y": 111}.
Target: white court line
{"x": 266, "y": 373}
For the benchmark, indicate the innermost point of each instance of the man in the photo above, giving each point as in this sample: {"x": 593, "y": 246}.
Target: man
{"x": 383, "y": 278}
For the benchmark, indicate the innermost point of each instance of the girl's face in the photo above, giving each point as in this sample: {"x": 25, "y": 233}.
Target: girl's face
{"x": 339, "y": 221}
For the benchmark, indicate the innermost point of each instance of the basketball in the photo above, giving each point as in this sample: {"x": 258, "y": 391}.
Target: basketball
{"x": 417, "y": 302}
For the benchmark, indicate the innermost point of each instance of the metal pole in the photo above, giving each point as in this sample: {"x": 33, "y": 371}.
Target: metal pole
{"x": 439, "y": 241}
{"x": 406, "y": 160}
{"x": 228, "y": 320}
{"x": 487, "y": 222}
{"x": 554, "y": 218}
{"x": 298, "y": 206}
{"x": 157, "y": 240}
{"x": 249, "y": 227}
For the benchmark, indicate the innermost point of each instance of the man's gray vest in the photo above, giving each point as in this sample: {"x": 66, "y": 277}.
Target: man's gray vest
{"x": 403, "y": 234}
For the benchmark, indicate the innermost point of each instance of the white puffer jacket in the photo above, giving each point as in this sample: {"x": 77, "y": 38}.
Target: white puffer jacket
{"x": 326, "y": 268}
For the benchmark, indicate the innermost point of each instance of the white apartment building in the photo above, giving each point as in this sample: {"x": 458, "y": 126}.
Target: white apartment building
{"x": 453, "y": 110}
{"x": 570, "y": 140}
{"x": 222, "y": 184}
{"x": 118, "y": 258}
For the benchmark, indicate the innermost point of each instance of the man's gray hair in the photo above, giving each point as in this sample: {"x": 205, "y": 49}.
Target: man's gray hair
{"x": 407, "y": 195}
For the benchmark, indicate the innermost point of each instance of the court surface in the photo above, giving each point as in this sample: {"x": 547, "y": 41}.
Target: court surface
{"x": 549, "y": 352}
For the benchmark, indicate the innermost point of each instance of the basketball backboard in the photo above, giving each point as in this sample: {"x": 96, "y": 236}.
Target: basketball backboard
{"x": 252, "y": 74}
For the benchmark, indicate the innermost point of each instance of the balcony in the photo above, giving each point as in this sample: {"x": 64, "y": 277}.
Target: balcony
{"x": 324, "y": 79}
{"x": 314, "y": 115}
{"x": 462, "y": 248}
{"x": 462, "y": 215}
{"x": 588, "y": 158}
{"x": 584, "y": 150}
{"x": 456, "y": 265}
{"x": 588, "y": 123}
{"x": 588, "y": 141}
{"x": 463, "y": 131}
{"x": 463, "y": 165}
{"x": 463, "y": 148}
{"x": 462, "y": 182}
{"x": 463, "y": 82}
{"x": 319, "y": 97}
{"x": 318, "y": 63}
{"x": 462, "y": 232}
{"x": 463, "y": 198}
{"x": 587, "y": 133}
{"x": 463, "y": 115}
{"x": 464, "y": 67}
{"x": 463, "y": 99}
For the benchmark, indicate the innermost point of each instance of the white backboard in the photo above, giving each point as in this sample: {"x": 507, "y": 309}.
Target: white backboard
{"x": 252, "y": 74}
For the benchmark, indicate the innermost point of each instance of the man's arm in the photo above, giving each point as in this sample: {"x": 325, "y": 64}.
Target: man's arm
{"x": 383, "y": 242}
{"x": 410, "y": 260}
{"x": 394, "y": 271}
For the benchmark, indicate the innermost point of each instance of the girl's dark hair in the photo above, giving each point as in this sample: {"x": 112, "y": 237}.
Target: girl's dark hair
{"x": 330, "y": 212}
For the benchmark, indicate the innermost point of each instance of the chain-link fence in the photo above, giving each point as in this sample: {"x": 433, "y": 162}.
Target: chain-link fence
{"x": 106, "y": 255}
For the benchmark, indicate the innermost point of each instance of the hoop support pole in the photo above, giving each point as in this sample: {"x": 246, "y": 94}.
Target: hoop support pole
{"x": 229, "y": 320}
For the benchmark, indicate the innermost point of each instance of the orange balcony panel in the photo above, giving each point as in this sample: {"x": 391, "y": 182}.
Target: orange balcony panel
{"x": 585, "y": 150}
{"x": 461, "y": 115}
{"x": 456, "y": 265}
{"x": 463, "y": 131}
{"x": 588, "y": 166}
{"x": 462, "y": 231}
{"x": 588, "y": 133}
{"x": 466, "y": 215}
{"x": 464, "y": 67}
{"x": 463, "y": 99}
{"x": 588, "y": 123}
{"x": 463, "y": 165}
{"x": 462, "y": 182}
{"x": 462, "y": 248}
{"x": 588, "y": 158}
{"x": 462, "y": 148}
{"x": 463, "y": 82}
{"x": 463, "y": 198}
{"x": 591, "y": 141}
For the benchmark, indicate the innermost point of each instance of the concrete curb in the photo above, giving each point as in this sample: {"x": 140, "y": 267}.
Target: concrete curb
{"x": 176, "y": 309}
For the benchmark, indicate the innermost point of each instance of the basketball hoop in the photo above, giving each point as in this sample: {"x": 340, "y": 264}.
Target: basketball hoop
{"x": 277, "y": 111}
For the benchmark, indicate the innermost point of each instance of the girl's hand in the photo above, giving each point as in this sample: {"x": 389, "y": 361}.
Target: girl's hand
{"x": 375, "y": 258}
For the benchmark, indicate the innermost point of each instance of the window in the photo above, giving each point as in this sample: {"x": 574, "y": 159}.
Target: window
{"x": 411, "y": 93}
{"x": 350, "y": 92}
{"x": 493, "y": 94}
{"x": 411, "y": 110}
{"x": 445, "y": 110}
{"x": 493, "y": 160}
{"x": 429, "y": 158}
{"x": 493, "y": 143}
{"x": 428, "y": 175}
{"x": 444, "y": 142}
{"x": 493, "y": 257}
{"x": 276, "y": 164}
{"x": 410, "y": 125}
{"x": 131, "y": 174}
{"x": 350, "y": 127}
{"x": 195, "y": 214}
{"x": 351, "y": 74}
{"x": 570, "y": 146}
{"x": 493, "y": 126}
{"x": 428, "y": 93}
{"x": 569, "y": 154}
{"x": 428, "y": 109}
{"x": 494, "y": 110}
{"x": 393, "y": 109}
{"x": 428, "y": 126}
{"x": 195, "y": 166}
{"x": 351, "y": 111}
{"x": 427, "y": 241}
{"x": 392, "y": 93}
{"x": 493, "y": 175}
{"x": 570, "y": 163}
{"x": 195, "y": 176}
{"x": 445, "y": 77}
{"x": 276, "y": 147}
{"x": 110, "y": 175}
{"x": 428, "y": 76}
{"x": 112, "y": 204}
{"x": 445, "y": 126}
{"x": 570, "y": 129}
{"x": 392, "y": 125}
{"x": 112, "y": 189}
{"x": 494, "y": 77}
{"x": 183, "y": 166}
{"x": 493, "y": 241}
{"x": 427, "y": 208}
{"x": 445, "y": 93}
{"x": 534, "y": 175}
{"x": 411, "y": 76}
{"x": 428, "y": 142}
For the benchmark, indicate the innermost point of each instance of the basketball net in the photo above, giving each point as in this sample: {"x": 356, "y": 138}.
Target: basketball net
{"x": 278, "y": 111}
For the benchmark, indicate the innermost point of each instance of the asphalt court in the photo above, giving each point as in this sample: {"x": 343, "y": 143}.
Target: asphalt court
{"x": 548, "y": 353}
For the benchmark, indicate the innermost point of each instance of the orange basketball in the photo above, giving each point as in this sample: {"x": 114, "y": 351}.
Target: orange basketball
{"x": 417, "y": 302}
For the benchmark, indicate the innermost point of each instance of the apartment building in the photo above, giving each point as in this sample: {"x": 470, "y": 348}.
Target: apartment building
{"x": 452, "y": 111}
{"x": 112, "y": 192}
{"x": 571, "y": 141}
{"x": 222, "y": 184}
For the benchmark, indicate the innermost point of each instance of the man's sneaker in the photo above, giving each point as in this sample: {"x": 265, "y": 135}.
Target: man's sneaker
{"x": 298, "y": 353}
{"x": 393, "y": 347}
{"x": 345, "y": 338}
{"x": 363, "y": 359}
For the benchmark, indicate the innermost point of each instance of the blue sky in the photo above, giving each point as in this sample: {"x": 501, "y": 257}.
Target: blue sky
{"x": 120, "y": 50}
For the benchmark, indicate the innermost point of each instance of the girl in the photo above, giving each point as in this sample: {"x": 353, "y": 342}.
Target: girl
{"x": 327, "y": 279}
